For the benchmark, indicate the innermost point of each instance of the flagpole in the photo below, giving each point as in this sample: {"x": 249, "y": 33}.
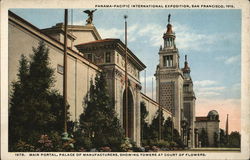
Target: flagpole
{"x": 65, "y": 69}
{"x": 145, "y": 81}
{"x": 126, "y": 77}
{"x": 152, "y": 88}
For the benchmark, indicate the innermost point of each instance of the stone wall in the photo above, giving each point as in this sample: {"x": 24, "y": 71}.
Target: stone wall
{"x": 152, "y": 108}
{"x": 210, "y": 127}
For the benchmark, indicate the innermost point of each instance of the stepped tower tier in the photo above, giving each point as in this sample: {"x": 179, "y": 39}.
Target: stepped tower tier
{"x": 188, "y": 102}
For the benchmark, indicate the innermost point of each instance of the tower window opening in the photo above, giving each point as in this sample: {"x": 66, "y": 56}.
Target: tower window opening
{"x": 108, "y": 57}
{"x": 168, "y": 61}
{"x": 169, "y": 42}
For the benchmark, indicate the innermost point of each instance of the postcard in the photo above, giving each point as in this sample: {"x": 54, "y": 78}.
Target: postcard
{"x": 125, "y": 80}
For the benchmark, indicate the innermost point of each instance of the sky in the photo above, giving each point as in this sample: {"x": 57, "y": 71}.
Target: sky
{"x": 211, "y": 39}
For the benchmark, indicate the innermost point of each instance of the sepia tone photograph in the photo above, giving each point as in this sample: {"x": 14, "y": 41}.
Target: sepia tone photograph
{"x": 129, "y": 82}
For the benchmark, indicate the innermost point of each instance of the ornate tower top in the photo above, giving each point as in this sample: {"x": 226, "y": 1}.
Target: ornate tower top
{"x": 169, "y": 26}
{"x": 169, "y": 35}
{"x": 186, "y": 68}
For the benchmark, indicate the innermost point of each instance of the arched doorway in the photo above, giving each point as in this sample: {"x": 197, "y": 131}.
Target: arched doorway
{"x": 130, "y": 113}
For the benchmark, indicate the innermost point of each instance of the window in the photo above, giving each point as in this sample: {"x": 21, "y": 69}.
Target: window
{"x": 186, "y": 88}
{"x": 164, "y": 60}
{"x": 118, "y": 58}
{"x": 168, "y": 61}
{"x": 169, "y": 42}
{"x": 89, "y": 56}
{"x": 108, "y": 57}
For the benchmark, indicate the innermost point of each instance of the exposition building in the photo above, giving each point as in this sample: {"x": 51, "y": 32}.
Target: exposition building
{"x": 89, "y": 54}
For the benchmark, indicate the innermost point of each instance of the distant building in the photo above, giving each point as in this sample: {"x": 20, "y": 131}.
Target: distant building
{"x": 210, "y": 124}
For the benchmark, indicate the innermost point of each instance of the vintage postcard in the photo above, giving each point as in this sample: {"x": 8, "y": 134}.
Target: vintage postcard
{"x": 125, "y": 80}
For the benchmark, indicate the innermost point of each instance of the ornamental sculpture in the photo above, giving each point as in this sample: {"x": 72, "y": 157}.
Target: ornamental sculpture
{"x": 90, "y": 15}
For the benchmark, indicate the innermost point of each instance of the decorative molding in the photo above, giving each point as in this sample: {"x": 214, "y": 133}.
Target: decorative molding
{"x": 118, "y": 73}
{"x": 138, "y": 86}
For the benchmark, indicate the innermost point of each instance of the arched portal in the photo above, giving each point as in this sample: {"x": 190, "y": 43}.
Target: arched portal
{"x": 130, "y": 113}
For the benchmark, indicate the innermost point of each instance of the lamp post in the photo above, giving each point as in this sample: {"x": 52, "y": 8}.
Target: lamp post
{"x": 184, "y": 130}
{"x": 196, "y": 137}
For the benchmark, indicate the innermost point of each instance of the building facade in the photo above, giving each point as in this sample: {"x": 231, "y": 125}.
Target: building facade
{"x": 88, "y": 55}
{"x": 210, "y": 126}
{"x": 109, "y": 54}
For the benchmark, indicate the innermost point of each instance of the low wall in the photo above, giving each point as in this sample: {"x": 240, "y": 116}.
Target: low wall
{"x": 152, "y": 107}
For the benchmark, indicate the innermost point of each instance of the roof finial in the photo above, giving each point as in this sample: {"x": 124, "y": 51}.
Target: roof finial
{"x": 169, "y": 16}
{"x": 90, "y": 15}
{"x": 186, "y": 68}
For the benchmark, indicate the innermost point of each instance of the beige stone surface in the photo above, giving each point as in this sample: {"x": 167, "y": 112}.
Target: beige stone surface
{"x": 21, "y": 41}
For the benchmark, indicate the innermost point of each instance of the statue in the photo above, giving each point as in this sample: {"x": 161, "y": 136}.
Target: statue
{"x": 90, "y": 14}
{"x": 169, "y": 15}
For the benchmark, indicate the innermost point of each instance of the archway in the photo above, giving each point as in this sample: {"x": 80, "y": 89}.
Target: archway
{"x": 130, "y": 113}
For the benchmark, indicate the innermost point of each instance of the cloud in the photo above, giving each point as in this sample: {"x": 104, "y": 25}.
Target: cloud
{"x": 209, "y": 91}
{"x": 229, "y": 60}
{"x": 153, "y": 33}
{"x": 208, "y": 88}
{"x": 81, "y": 23}
{"x": 215, "y": 90}
{"x": 119, "y": 33}
{"x": 186, "y": 37}
{"x": 204, "y": 83}
{"x": 111, "y": 33}
{"x": 189, "y": 39}
{"x": 232, "y": 59}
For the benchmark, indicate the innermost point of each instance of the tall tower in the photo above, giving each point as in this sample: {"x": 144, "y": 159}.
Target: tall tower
{"x": 169, "y": 77}
{"x": 189, "y": 103}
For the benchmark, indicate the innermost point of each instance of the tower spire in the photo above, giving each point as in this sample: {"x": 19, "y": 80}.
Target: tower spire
{"x": 186, "y": 68}
{"x": 227, "y": 126}
{"x": 227, "y": 136}
{"x": 169, "y": 16}
{"x": 169, "y": 36}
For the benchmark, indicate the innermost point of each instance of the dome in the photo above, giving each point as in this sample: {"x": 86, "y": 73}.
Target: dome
{"x": 213, "y": 113}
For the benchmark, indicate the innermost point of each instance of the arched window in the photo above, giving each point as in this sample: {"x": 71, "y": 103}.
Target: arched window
{"x": 168, "y": 61}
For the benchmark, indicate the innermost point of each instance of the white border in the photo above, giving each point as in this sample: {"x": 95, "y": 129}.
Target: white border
{"x": 245, "y": 76}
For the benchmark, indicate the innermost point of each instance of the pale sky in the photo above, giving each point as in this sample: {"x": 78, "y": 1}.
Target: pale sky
{"x": 210, "y": 38}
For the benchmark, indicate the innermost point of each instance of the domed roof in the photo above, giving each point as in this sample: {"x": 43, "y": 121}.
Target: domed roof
{"x": 213, "y": 113}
